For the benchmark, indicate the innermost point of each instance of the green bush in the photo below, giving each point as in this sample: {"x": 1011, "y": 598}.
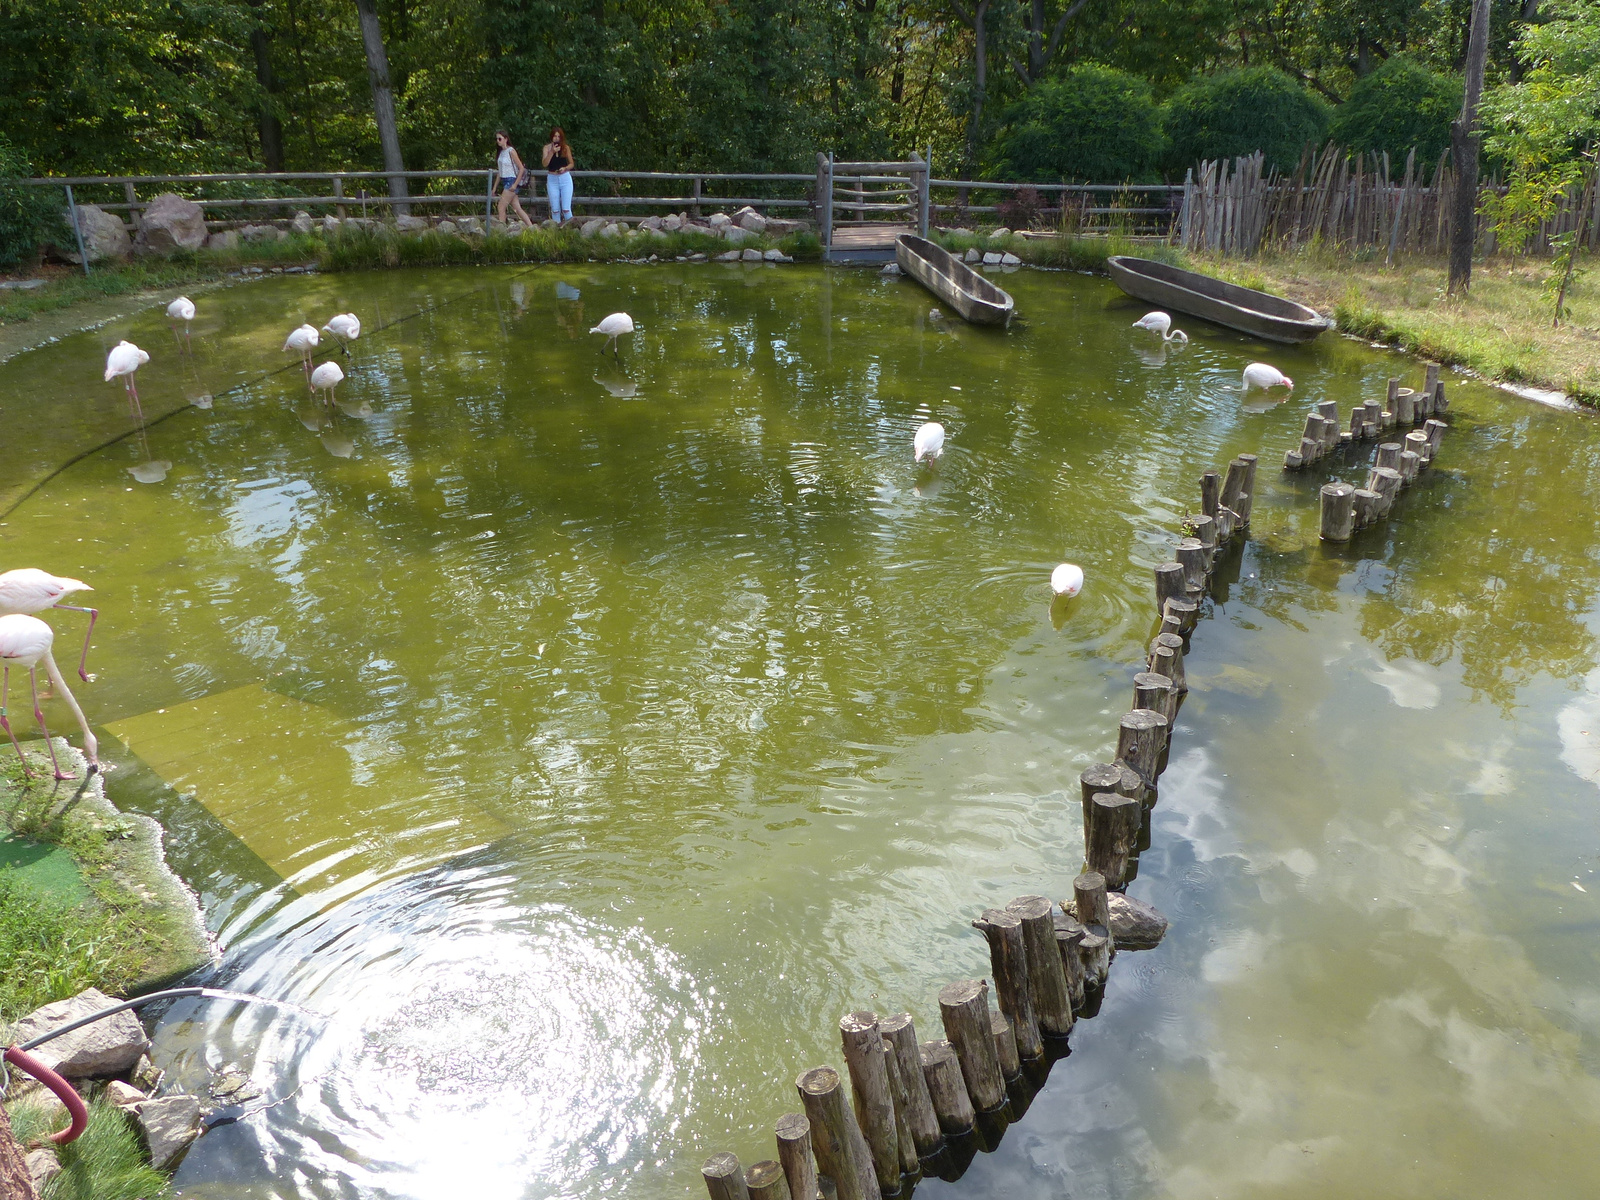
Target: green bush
{"x": 1090, "y": 124}
{"x": 1242, "y": 111}
{"x": 28, "y": 216}
{"x": 1400, "y": 105}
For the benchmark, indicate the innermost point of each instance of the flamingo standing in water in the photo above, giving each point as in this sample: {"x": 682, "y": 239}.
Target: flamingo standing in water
{"x": 614, "y": 327}
{"x": 303, "y": 341}
{"x": 346, "y": 327}
{"x": 126, "y": 358}
{"x": 181, "y": 309}
{"x": 25, "y": 642}
{"x": 326, "y": 378}
{"x": 30, "y": 590}
{"x": 1260, "y": 375}
{"x": 1160, "y": 322}
{"x": 928, "y": 443}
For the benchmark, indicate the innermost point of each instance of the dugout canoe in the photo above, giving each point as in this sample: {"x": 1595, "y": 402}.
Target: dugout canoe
{"x": 1227, "y": 304}
{"x": 950, "y": 279}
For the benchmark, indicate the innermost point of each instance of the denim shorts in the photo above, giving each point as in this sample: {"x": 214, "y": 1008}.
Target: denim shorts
{"x": 508, "y": 183}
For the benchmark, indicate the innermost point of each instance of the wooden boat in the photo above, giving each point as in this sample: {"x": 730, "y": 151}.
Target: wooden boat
{"x": 950, "y": 279}
{"x": 1226, "y": 304}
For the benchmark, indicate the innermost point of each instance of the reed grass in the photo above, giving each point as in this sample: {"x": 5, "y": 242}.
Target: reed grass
{"x": 105, "y": 1163}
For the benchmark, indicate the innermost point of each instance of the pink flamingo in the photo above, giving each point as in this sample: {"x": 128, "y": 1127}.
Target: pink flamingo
{"x": 30, "y": 590}
{"x": 126, "y": 358}
{"x": 25, "y": 642}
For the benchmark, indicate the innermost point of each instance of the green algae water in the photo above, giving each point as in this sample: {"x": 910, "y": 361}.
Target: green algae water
{"x": 580, "y": 736}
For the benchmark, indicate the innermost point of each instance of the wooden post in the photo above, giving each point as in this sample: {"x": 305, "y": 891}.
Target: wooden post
{"x": 1337, "y": 519}
{"x": 1405, "y": 411}
{"x": 1205, "y": 528}
{"x": 1172, "y": 669}
{"x": 1210, "y": 495}
{"x": 1440, "y": 404}
{"x": 341, "y": 211}
{"x": 1233, "y": 485}
{"x": 836, "y": 1140}
{"x": 1417, "y": 443}
{"x": 901, "y": 1032}
{"x": 1391, "y": 393}
{"x": 1005, "y": 1042}
{"x": 1154, "y": 692}
{"x": 1435, "y": 431}
{"x": 1247, "y": 494}
{"x": 766, "y": 1181}
{"x": 135, "y": 209}
{"x": 724, "y": 1179}
{"x": 1141, "y": 737}
{"x": 964, "y": 1008}
{"x": 1111, "y": 839}
{"x": 1373, "y": 421}
{"x": 1169, "y": 620}
{"x": 1052, "y": 1003}
{"x": 946, "y": 1089}
{"x": 1388, "y": 455}
{"x": 1170, "y": 583}
{"x": 1431, "y": 377}
{"x": 869, "y": 1087}
{"x": 77, "y": 234}
{"x": 1186, "y": 610}
{"x": 1089, "y": 900}
{"x": 794, "y": 1152}
{"x": 1103, "y": 777}
{"x": 1386, "y": 482}
{"x": 696, "y": 195}
{"x": 1410, "y": 464}
{"x": 1068, "y": 934}
{"x": 1191, "y": 556}
{"x": 909, "y": 1158}
{"x": 1095, "y": 949}
{"x": 1008, "y": 960}
{"x": 1365, "y": 503}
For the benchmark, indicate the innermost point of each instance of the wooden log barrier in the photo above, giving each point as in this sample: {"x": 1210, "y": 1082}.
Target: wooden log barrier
{"x": 1405, "y": 407}
{"x": 1111, "y": 837}
{"x": 1154, "y": 692}
{"x": 1431, "y": 378}
{"x": 1170, "y": 584}
{"x": 1440, "y": 404}
{"x": 1101, "y": 777}
{"x": 1091, "y": 904}
{"x": 1386, "y": 482}
{"x": 1338, "y": 515}
{"x": 1365, "y": 503}
{"x": 1328, "y": 410}
{"x": 1435, "y": 431}
{"x": 1372, "y": 423}
{"x": 1096, "y": 951}
{"x": 946, "y": 1087}
{"x": 1005, "y": 1042}
{"x": 794, "y": 1152}
{"x": 1410, "y": 463}
{"x": 874, "y": 1103}
{"x": 1417, "y": 443}
{"x": 1068, "y": 934}
{"x": 724, "y": 1178}
{"x": 1388, "y": 455}
{"x": 1047, "y": 983}
{"x": 1205, "y": 528}
{"x": 1172, "y": 667}
{"x": 836, "y": 1140}
{"x": 1008, "y": 961}
{"x": 1247, "y": 493}
{"x": 1191, "y": 556}
{"x": 964, "y": 1009}
{"x": 1211, "y": 497}
{"x": 766, "y": 1181}
{"x": 1391, "y": 393}
{"x": 1141, "y": 737}
{"x": 901, "y": 1032}
{"x": 910, "y": 1159}
{"x": 1185, "y": 610}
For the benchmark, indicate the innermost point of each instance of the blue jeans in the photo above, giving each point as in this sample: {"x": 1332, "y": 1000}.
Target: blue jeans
{"x": 559, "y": 189}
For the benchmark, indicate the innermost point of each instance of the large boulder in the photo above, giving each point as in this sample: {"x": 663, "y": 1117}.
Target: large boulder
{"x": 223, "y": 239}
{"x": 751, "y": 255}
{"x": 260, "y": 233}
{"x": 736, "y": 234}
{"x": 671, "y": 222}
{"x": 406, "y": 223}
{"x": 593, "y": 226}
{"x": 778, "y": 226}
{"x": 170, "y": 1125}
{"x": 1135, "y": 925}
{"x": 302, "y": 222}
{"x": 718, "y": 220}
{"x": 105, "y": 1047}
{"x": 753, "y": 221}
{"x": 104, "y": 235}
{"x": 172, "y": 223}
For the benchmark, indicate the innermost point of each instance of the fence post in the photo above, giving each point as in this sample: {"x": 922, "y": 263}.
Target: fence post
{"x": 135, "y": 210}
{"x": 77, "y": 230}
{"x": 338, "y": 190}
{"x": 695, "y": 207}
{"x": 922, "y": 194}
{"x": 488, "y": 195}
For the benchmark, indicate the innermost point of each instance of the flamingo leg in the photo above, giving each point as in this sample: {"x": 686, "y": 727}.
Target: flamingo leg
{"x": 133, "y": 398}
{"x": 91, "y": 748}
{"x": 5, "y": 687}
{"x": 94, "y": 615}
{"x": 38, "y": 715}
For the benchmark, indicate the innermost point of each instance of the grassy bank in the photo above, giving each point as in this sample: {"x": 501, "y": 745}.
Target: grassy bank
{"x": 105, "y": 1163}
{"x": 1500, "y": 329}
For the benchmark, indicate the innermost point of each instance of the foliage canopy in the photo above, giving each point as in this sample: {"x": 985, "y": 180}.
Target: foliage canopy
{"x": 1399, "y": 106}
{"x": 1242, "y": 111}
{"x": 1089, "y": 124}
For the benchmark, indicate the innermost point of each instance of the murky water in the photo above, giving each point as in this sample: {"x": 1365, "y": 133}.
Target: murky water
{"x": 580, "y": 737}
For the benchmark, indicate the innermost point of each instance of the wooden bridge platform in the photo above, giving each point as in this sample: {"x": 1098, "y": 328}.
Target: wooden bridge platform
{"x": 870, "y": 243}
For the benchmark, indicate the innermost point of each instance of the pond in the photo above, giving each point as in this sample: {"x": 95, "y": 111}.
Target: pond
{"x": 580, "y": 736}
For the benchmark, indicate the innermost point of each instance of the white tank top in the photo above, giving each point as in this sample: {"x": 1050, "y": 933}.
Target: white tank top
{"x": 507, "y": 169}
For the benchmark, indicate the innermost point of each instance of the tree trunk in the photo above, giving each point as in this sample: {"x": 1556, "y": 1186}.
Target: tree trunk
{"x": 1464, "y": 151}
{"x": 980, "y": 74}
{"x": 15, "y": 1181}
{"x": 271, "y": 127}
{"x": 383, "y": 103}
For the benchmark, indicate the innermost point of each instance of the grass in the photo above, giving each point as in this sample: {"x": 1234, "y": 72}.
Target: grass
{"x": 53, "y": 949}
{"x": 1501, "y": 329}
{"x": 105, "y": 1163}
{"x": 1066, "y": 252}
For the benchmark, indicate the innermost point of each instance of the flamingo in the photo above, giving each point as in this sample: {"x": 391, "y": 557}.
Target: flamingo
{"x": 346, "y": 327}
{"x": 1160, "y": 322}
{"x": 304, "y": 341}
{"x": 181, "y": 309}
{"x": 126, "y": 358}
{"x": 929, "y": 442}
{"x": 30, "y": 590}
{"x": 614, "y": 327}
{"x": 325, "y": 378}
{"x": 1067, "y": 579}
{"x": 24, "y": 641}
{"x": 1260, "y": 375}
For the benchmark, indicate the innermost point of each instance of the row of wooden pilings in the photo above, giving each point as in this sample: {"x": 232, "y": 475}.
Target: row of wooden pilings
{"x": 1370, "y": 420}
{"x": 921, "y": 1108}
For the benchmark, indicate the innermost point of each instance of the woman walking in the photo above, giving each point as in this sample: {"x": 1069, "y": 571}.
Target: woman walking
{"x": 512, "y": 176}
{"x": 558, "y": 161}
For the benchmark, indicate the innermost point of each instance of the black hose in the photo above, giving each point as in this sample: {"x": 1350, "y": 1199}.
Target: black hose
{"x": 168, "y": 994}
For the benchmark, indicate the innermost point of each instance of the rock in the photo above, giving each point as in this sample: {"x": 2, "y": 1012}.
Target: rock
{"x": 1010, "y": 260}
{"x": 225, "y": 239}
{"x": 753, "y": 221}
{"x": 1002, "y": 232}
{"x": 496, "y": 226}
{"x": 736, "y": 234}
{"x": 672, "y": 222}
{"x": 446, "y": 226}
{"x": 593, "y": 226}
{"x": 230, "y": 1085}
{"x": 124, "y": 1095}
{"x": 172, "y": 223}
{"x": 43, "y": 1166}
{"x": 470, "y": 225}
{"x": 973, "y": 256}
{"x": 611, "y": 231}
{"x": 170, "y": 1126}
{"x": 991, "y": 259}
{"x": 260, "y": 233}
{"x": 105, "y": 1047}
{"x": 718, "y": 220}
{"x": 145, "y": 1074}
{"x": 697, "y": 257}
{"x": 104, "y": 235}
{"x": 650, "y": 223}
{"x": 330, "y": 224}
{"x": 730, "y": 256}
{"x": 550, "y": 223}
{"x": 302, "y": 223}
{"x": 891, "y": 269}
{"x": 1134, "y": 924}
{"x": 776, "y": 256}
{"x": 751, "y": 255}
{"x": 409, "y": 224}
{"x": 777, "y": 227}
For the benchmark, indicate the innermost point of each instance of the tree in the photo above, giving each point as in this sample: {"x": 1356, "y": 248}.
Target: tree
{"x": 1087, "y": 124}
{"x": 976, "y": 19}
{"x": 1241, "y": 111}
{"x": 271, "y": 127}
{"x": 383, "y": 102}
{"x": 1464, "y": 147}
{"x": 1400, "y": 106}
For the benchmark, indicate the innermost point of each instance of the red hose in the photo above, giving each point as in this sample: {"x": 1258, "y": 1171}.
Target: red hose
{"x": 64, "y": 1092}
